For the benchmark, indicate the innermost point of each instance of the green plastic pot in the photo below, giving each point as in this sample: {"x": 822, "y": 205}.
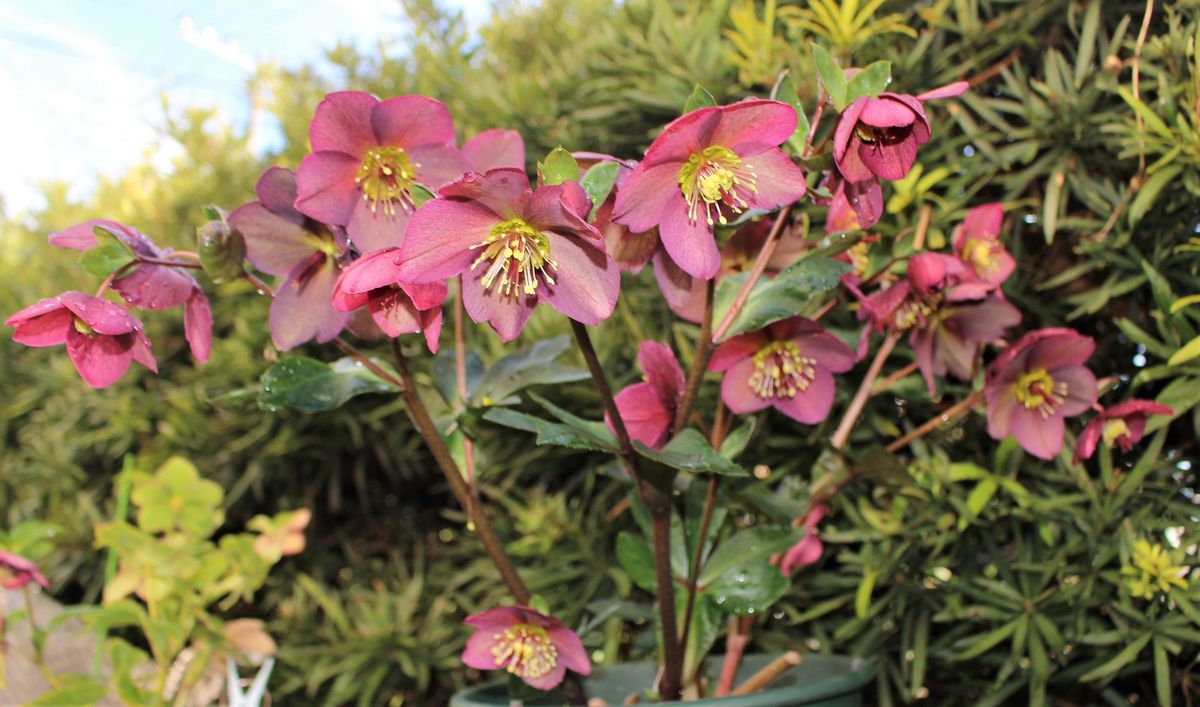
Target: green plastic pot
{"x": 819, "y": 681}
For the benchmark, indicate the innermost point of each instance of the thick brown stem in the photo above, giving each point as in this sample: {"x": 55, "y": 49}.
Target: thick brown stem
{"x": 864, "y": 392}
{"x": 756, "y": 271}
{"x": 659, "y": 506}
{"x": 704, "y": 348}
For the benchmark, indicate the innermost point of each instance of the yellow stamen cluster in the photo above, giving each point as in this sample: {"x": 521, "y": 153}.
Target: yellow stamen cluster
{"x": 915, "y": 312}
{"x": 717, "y": 178}
{"x": 1037, "y": 390}
{"x": 525, "y": 650}
{"x": 519, "y": 255}
{"x": 1114, "y": 429}
{"x": 82, "y": 327}
{"x": 1152, "y": 571}
{"x": 980, "y": 254}
{"x": 781, "y": 371}
{"x": 384, "y": 178}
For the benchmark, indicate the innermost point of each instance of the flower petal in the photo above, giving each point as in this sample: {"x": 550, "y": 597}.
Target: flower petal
{"x": 394, "y": 312}
{"x": 101, "y": 360}
{"x": 983, "y": 221}
{"x": 1081, "y": 389}
{"x": 1066, "y": 348}
{"x": 812, "y": 404}
{"x": 890, "y": 160}
{"x": 689, "y": 243}
{"x": 662, "y": 371}
{"x": 742, "y": 346}
{"x": 303, "y": 306}
{"x": 829, "y": 351}
{"x": 325, "y": 187}
{"x": 438, "y": 165}
{"x": 561, "y": 207}
{"x": 683, "y": 136}
{"x": 478, "y": 652}
{"x": 495, "y": 148}
{"x": 440, "y": 238}
{"x": 44, "y": 323}
{"x": 886, "y": 113}
{"x": 274, "y": 244}
{"x": 844, "y": 133}
{"x": 570, "y": 650}
{"x": 646, "y": 194}
{"x": 342, "y": 123}
{"x": 586, "y": 279}
{"x": 753, "y": 126}
{"x": 1085, "y": 444}
{"x": 1040, "y": 436}
{"x": 372, "y": 229}
{"x": 739, "y": 397}
{"x": 950, "y": 90}
{"x": 505, "y": 192}
{"x": 155, "y": 287}
{"x": 646, "y": 418}
{"x": 676, "y": 285}
{"x": 412, "y": 121}
{"x": 198, "y": 324}
{"x": 82, "y": 236}
{"x": 505, "y": 314}
{"x": 779, "y": 181}
{"x": 101, "y": 315}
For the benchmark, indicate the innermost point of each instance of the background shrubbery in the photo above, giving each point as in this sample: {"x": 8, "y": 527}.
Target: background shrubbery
{"x": 975, "y": 573}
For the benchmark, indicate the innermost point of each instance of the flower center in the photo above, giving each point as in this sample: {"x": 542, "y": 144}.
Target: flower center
{"x": 1036, "y": 390}
{"x": 915, "y": 312}
{"x": 384, "y": 178}
{"x": 1114, "y": 430}
{"x": 716, "y": 177}
{"x": 519, "y": 254}
{"x": 781, "y": 371}
{"x": 525, "y": 650}
{"x": 82, "y": 327}
{"x": 980, "y": 254}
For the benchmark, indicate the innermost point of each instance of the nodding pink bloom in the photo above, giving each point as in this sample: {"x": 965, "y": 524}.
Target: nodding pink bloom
{"x": 955, "y": 333}
{"x": 705, "y": 168}
{"x": 809, "y": 549}
{"x": 305, "y": 255}
{"x": 526, "y": 643}
{"x": 17, "y": 571}
{"x": 789, "y": 366}
{"x": 648, "y": 408}
{"x": 494, "y": 149}
{"x": 102, "y": 337}
{"x": 395, "y": 306}
{"x": 367, "y": 155}
{"x": 1123, "y": 424}
{"x": 1035, "y": 384}
{"x": 148, "y": 285}
{"x": 854, "y": 206}
{"x": 514, "y": 247}
{"x": 631, "y": 251}
{"x": 977, "y": 242}
{"x": 879, "y": 136}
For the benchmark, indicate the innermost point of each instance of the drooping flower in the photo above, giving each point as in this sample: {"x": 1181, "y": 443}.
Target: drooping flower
{"x": 630, "y": 250}
{"x": 954, "y": 333}
{"x": 706, "y": 168}
{"x": 1035, "y": 384}
{"x": 537, "y": 648}
{"x": 648, "y": 408}
{"x": 150, "y": 285}
{"x": 494, "y": 149}
{"x": 789, "y": 366}
{"x": 367, "y": 155}
{"x": 102, "y": 337}
{"x": 1153, "y": 571}
{"x": 809, "y": 549}
{"x": 17, "y": 571}
{"x": 306, "y": 256}
{"x": 879, "y": 136}
{"x": 395, "y": 306}
{"x": 1123, "y": 425}
{"x": 977, "y": 243}
{"x": 514, "y": 247}
{"x": 854, "y": 206}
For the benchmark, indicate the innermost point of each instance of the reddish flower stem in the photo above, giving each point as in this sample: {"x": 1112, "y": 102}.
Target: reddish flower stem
{"x": 460, "y": 377}
{"x": 735, "y": 645}
{"x": 948, "y": 414}
{"x": 350, "y": 350}
{"x": 844, "y": 428}
{"x": 659, "y": 506}
{"x": 756, "y": 271}
{"x": 891, "y": 379}
{"x": 259, "y": 285}
{"x": 704, "y": 349}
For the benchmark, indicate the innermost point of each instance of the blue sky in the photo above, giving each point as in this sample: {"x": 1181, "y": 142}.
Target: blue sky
{"x": 82, "y": 78}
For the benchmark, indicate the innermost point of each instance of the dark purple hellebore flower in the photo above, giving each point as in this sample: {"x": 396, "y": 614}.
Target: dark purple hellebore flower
{"x": 396, "y": 307}
{"x": 537, "y": 648}
{"x": 514, "y": 247}
{"x": 367, "y": 155}
{"x": 305, "y": 256}
{"x": 1123, "y": 424}
{"x": 977, "y": 242}
{"x": 147, "y": 285}
{"x": 1035, "y": 384}
{"x": 648, "y": 408}
{"x": 102, "y": 337}
{"x": 17, "y": 571}
{"x": 789, "y": 366}
{"x": 854, "y": 206}
{"x": 705, "y": 167}
{"x": 879, "y": 137}
{"x": 954, "y": 333}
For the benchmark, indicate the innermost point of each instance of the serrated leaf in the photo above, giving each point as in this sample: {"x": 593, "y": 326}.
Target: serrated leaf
{"x": 690, "y": 451}
{"x": 871, "y": 81}
{"x": 699, "y": 98}
{"x": 749, "y": 545}
{"x": 560, "y": 166}
{"x": 598, "y": 182}
{"x": 310, "y": 385}
{"x": 788, "y": 294}
{"x": 832, "y": 77}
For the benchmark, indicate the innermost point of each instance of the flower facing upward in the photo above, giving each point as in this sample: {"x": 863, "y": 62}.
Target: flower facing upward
{"x": 1123, "y": 425}
{"x": 530, "y": 645}
{"x": 788, "y": 366}
{"x": 16, "y": 572}
{"x": 977, "y": 242}
{"x": 367, "y": 156}
{"x": 514, "y": 247}
{"x": 648, "y": 408}
{"x": 1035, "y": 384}
{"x": 102, "y": 337}
{"x": 703, "y": 170}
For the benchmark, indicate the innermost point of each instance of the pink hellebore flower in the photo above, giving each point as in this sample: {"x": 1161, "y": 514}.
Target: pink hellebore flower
{"x": 367, "y": 155}
{"x": 809, "y": 549}
{"x": 16, "y": 572}
{"x": 648, "y": 408}
{"x": 855, "y": 205}
{"x": 530, "y": 645}
{"x": 102, "y": 337}
{"x": 879, "y": 137}
{"x": 631, "y": 251}
{"x": 1035, "y": 384}
{"x": 514, "y": 247}
{"x": 954, "y": 334}
{"x": 1123, "y": 424}
{"x": 396, "y": 307}
{"x": 305, "y": 256}
{"x": 705, "y": 167}
{"x": 147, "y": 285}
{"x": 495, "y": 148}
{"x": 789, "y": 366}
{"x": 977, "y": 242}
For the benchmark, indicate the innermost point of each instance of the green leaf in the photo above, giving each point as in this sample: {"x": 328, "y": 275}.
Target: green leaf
{"x": 1184, "y": 302}
{"x": 309, "y": 385}
{"x": 598, "y": 182}
{"x": 72, "y": 690}
{"x": 532, "y": 365}
{"x": 1149, "y": 192}
{"x": 420, "y": 195}
{"x": 109, "y": 255}
{"x": 560, "y": 166}
{"x": 871, "y": 81}
{"x": 553, "y": 433}
{"x": 735, "y": 443}
{"x": 1186, "y": 352}
{"x": 750, "y": 588}
{"x": 866, "y": 587}
{"x": 698, "y": 99}
{"x": 1162, "y": 673}
{"x": 1127, "y": 655}
{"x": 786, "y": 295}
{"x": 749, "y": 545}
{"x": 832, "y": 77}
{"x": 786, "y": 92}
{"x": 690, "y": 451}
{"x": 637, "y": 560}
{"x": 1181, "y": 395}
{"x": 980, "y": 645}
